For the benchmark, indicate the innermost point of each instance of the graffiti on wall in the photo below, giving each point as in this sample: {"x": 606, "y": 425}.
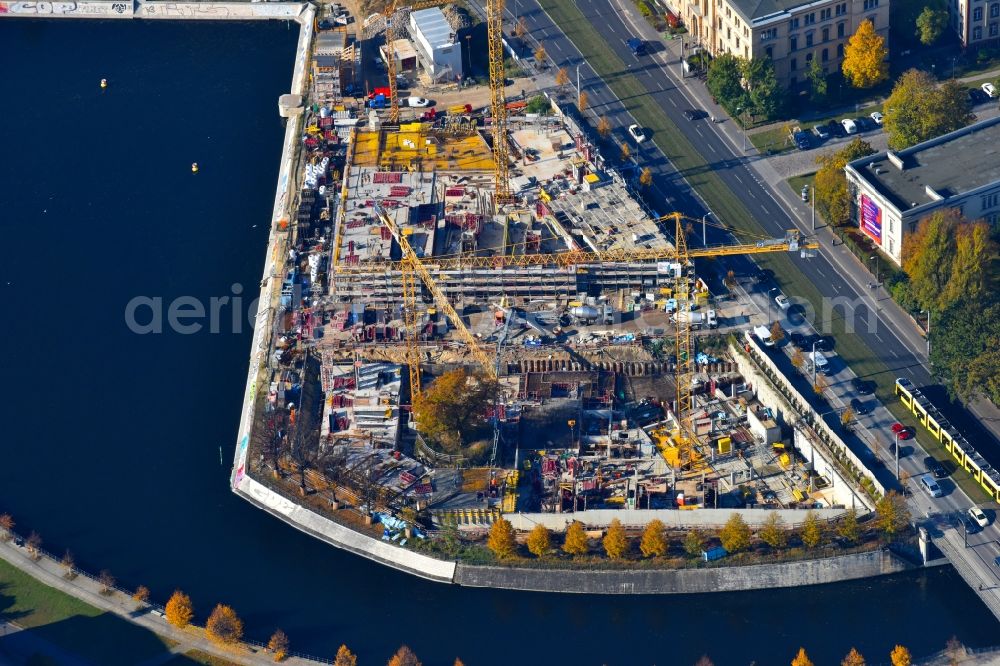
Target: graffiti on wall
{"x": 123, "y": 9}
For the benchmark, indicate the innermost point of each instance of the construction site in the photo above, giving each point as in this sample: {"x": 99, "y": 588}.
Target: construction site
{"x": 500, "y": 243}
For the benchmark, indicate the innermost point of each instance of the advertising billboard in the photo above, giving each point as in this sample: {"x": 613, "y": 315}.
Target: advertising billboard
{"x": 871, "y": 219}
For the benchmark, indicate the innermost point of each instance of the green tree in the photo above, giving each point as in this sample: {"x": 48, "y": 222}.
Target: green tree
{"x": 764, "y": 94}
{"x": 853, "y": 658}
{"x": 811, "y": 532}
{"x": 538, "y": 104}
{"x": 965, "y": 348}
{"x": 654, "y": 540}
{"x": 891, "y": 514}
{"x": 802, "y": 659}
{"x": 615, "y": 542}
{"x": 454, "y": 408}
{"x": 575, "y": 542}
{"x": 539, "y": 541}
{"x": 900, "y": 656}
{"x": 501, "y": 540}
{"x": 694, "y": 542}
{"x": 931, "y": 24}
{"x": 833, "y": 200}
{"x": 817, "y": 81}
{"x": 864, "y": 64}
{"x": 974, "y": 253}
{"x": 848, "y": 528}
{"x": 725, "y": 76}
{"x": 928, "y": 256}
{"x": 773, "y": 533}
{"x": 735, "y": 536}
{"x": 919, "y": 109}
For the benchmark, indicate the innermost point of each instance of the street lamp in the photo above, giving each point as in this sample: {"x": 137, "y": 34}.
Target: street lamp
{"x": 738, "y": 110}
{"x": 874, "y": 260}
{"x": 468, "y": 49}
{"x": 896, "y": 447}
{"x": 812, "y": 199}
{"x": 928, "y": 313}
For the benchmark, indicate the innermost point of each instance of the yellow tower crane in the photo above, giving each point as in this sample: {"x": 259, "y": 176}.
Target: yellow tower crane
{"x": 411, "y": 266}
{"x": 498, "y": 103}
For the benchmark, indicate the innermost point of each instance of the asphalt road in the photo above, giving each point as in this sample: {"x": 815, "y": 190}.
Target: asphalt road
{"x": 672, "y": 191}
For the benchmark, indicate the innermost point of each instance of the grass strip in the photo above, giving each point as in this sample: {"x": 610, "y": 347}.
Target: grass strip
{"x": 702, "y": 178}
{"x": 73, "y": 625}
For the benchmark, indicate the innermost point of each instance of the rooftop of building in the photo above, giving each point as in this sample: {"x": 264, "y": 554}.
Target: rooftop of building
{"x": 432, "y": 24}
{"x": 948, "y": 166}
{"x": 758, "y": 9}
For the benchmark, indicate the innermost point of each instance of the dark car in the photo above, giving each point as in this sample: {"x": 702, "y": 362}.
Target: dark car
{"x": 636, "y": 46}
{"x": 694, "y": 114}
{"x": 796, "y": 339}
{"x": 934, "y": 466}
{"x": 803, "y": 141}
{"x": 860, "y": 408}
{"x": 763, "y": 275}
{"x": 865, "y": 124}
{"x": 970, "y": 525}
{"x": 836, "y": 129}
{"x": 977, "y": 96}
{"x": 822, "y": 132}
{"x": 861, "y": 387}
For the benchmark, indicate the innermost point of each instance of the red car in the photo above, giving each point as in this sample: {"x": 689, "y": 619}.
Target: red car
{"x": 905, "y": 433}
{"x": 898, "y": 427}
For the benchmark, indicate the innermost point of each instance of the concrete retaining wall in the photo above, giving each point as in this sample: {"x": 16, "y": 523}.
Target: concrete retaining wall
{"x": 685, "y": 581}
{"x": 710, "y": 518}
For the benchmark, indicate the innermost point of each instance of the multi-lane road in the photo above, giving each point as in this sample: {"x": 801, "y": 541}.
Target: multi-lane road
{"x": 833, "y": 274}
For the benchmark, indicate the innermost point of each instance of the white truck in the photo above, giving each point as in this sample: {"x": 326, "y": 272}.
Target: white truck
{"x": 707, "y": 319}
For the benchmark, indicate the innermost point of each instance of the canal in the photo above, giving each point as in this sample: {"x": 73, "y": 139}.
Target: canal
{"x": 117, "y": 444}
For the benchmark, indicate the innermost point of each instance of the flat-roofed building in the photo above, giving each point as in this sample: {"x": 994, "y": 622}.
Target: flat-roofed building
{"x": 436, "y": 44}
{"x": 893, "y": 190}
{"x": 792, "y": 33}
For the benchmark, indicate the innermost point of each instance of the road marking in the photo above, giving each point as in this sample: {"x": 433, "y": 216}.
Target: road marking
{"x": 764, "y": 208}
{"x": 672, "y": 101}
{"x": 660, "y": 84}
{"x": 821, "y": 273}
{"x": 738, "y": 179}
{"x": 878, "y": 338}
{"x": 750, "y": 192}
{"x": 699, "y": 132}
{"x": 711, "y": 147}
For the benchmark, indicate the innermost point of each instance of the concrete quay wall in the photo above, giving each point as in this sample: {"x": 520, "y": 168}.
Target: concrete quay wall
{"x": 156, "y": 9}
{"x": 685, "y": 581}
{"x": 672, "y": 518}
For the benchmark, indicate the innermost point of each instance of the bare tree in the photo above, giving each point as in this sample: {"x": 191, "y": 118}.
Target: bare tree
{"x": 34, "y": 545}
{"x": 107, "y": 582}
{"x": 70, "y": 565}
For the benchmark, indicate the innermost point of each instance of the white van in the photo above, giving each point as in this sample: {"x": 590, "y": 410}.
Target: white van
{"x": 820, "y": 362}
{"x": 931, "y": 486}
{"x": 763, "y": 333}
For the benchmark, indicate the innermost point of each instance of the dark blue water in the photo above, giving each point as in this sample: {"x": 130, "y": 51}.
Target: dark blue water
{"x": 111, "y": 440}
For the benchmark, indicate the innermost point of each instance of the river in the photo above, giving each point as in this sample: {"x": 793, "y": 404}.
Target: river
{"x": 117, "y": 444}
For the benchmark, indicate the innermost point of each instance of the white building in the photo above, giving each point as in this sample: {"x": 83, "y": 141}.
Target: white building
{"x": 436, "y": 44}
{"x": 893, "y": 191}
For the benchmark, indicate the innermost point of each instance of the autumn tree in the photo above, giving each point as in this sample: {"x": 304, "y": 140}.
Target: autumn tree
{"x": 278, "y": 645}
{"x": 654, "y": 540}
{"x": 730, "y": 280}
{"x": 615, "y": 542}
{"x": 540, "y": 58}
{"x": 694, "y": 542}
{"x": 928, "y": 256}
{"x": 224, "y": 626}
{"x": 539, "y": 541}
{"x": 583, "y": 101}
{"x": 521, "y": 28}
{"x": 848, "y": 528}
{"x": 891, "y": 514}
{"x": 797, "y": 359}
{"x": 646, "y": 177}
{"x": 931, "y": 24}
{"x": 811, "y": 532}
{"x": 178, "y": 609}
{"x": 345, "y": 657}
{"x": 833, "y": 200}
{"x": 562, "y": 77}
{"x": 974, "y": 253}
{"x": 501, "y": 540}
{"x": 626, "y": 152}
{"x": 107, "y": 582}
{"x": 34, "y": 545}
{"x": 141, "y": 596}
{"x": 821, "y": 385}
{"x": 69, "y": 564}
{"x": 919, "y": 109}
{"x": 846, "y": 416}
{"x": 777, "y": 333}
{"x": 900, "y": 656}
{"x": 704, "y": 661}
{"x": 773, "y": 533}
{"x": 575, "y": 542}
{"x": 604, "y": 126}
{"x": 853, "y": 658}
{"x": 404, "y": 657}
{"x": 802, "y": 659}
{"x": 6, "y": 527}
{"x": 865, "y": 56}
{"x": 458, "y": 662}
{"x": 735, "y": 536}
{"x": 454, "y": 408}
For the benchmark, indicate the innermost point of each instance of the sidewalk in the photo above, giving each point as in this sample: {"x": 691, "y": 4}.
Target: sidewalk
{"x": 50, "y": 572}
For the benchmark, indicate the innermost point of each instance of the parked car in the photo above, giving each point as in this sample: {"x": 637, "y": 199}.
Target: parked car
{"x": 970, "y": 525}
{"x": 782, "y": 301}
{"x": 877, "y": 117}
{"x": 796, "y": 339}
{"x": 850, "y": 127}
{"x": 636, "y": 133}
{"x": 418, "y": 101}
{"x": 860, "y": 408}
{"x": 902, "y": 432}
{"x": 822, "y": 132}
{"x": 934, "y": 466}
{"x": 836, "y": 129}
{"x": 802, "y": 140}
{"x": 977, "y": 515}
{"x": 690, "y": 114}
{"x": 989, "y": 89}
{"x": 865, "y": 124}
{"x": 804, "y": 194}
{"x": 763, "y": 275}
{"x": 862, "y": 387}
{"x": 636, "y": 46}
{"x": 977, "y": 96}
